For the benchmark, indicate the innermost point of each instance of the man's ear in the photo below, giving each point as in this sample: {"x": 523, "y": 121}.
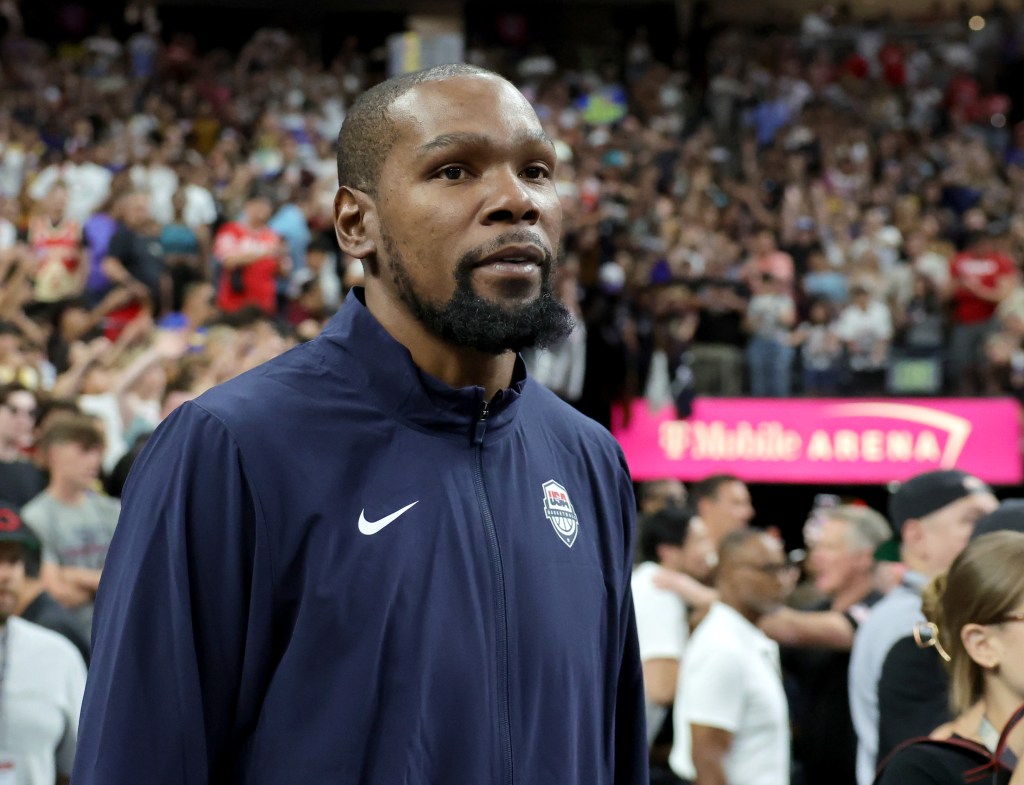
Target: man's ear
{"x": 911, "y": 531}
{"x": 355, "y": 223}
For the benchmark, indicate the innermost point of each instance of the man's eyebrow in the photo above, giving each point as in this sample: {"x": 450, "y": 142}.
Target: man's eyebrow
{"x": 470, "y": 139}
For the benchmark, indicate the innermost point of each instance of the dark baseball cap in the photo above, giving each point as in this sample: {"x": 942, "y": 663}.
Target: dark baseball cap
{"x": 1008, "y": 516}
{"x": 924, "y": 494}
{"x": 13, "y": 529}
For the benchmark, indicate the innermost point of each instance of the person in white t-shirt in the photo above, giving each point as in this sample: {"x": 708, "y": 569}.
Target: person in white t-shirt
{"x": 43, "y": 680}
{"x": 731, "y": 718}
{"x": 672, "y": 539}
{"x": 87, "y": 182}
{"x": 865, "y": 327}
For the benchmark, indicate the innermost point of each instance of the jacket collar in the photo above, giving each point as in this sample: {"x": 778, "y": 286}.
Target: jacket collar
{"x": 385, "y": 369}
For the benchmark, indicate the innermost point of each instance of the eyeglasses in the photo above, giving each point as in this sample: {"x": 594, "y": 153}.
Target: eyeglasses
{"x": 775, "y": 570}
{"x": 1008, "y": 617}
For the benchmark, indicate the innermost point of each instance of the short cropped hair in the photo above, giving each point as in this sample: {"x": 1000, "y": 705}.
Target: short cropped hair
{"x": 734, "y": 542}
{"x": 368, "y": 132}
{"x": 669, "y": 526}
{"x": 867, "y": 528}
{"x": 709, "y": 486}
{"x": 73, "y": 428}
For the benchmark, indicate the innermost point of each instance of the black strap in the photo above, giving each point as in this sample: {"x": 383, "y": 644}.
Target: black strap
{"x": 966, "y": 745}
{"x": 1003, "y": 752}
{"x": 1002, "y": 759}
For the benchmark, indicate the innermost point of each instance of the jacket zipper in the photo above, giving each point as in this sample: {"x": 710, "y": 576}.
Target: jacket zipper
{"x": 479, "y": 429}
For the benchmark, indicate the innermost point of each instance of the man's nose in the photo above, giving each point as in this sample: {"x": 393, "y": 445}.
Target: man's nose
{"x": 511, "y": 200}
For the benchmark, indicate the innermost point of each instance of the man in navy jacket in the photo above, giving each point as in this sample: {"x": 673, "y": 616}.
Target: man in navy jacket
{"x": 386, "y": 557}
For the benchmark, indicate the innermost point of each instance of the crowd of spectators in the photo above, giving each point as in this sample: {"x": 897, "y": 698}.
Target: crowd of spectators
{"x": 829, "y": 211}
{"x": 837, "y": 210}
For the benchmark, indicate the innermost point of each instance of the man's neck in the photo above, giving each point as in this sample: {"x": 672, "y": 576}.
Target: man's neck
{"x": 66, "y": 492}
{"x": 918, "y": 565}
{"x": 455, "y": 366}
{"x": 749, "y": 614}
{"x": 850, "y": 595}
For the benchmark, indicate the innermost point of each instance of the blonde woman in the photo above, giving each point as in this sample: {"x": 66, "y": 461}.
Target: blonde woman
{"x": 976, "y": 623}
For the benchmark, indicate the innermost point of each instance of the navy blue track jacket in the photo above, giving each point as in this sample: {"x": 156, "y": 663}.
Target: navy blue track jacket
{"x": 337, "y": 570}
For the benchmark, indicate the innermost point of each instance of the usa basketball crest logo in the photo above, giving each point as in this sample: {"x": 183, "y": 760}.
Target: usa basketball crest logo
{"x": 558, "y": 509}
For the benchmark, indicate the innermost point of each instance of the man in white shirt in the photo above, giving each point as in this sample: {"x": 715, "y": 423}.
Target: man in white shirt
{"x": 671, "y": 539}
{"x": 200, "y": 207}
{"x": 156, "y": 178}
{"x": 731, "y": 718}
{"x": 43, "y": 679}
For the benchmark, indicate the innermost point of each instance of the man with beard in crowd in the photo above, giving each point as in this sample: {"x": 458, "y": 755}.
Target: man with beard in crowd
{"x": 387, "y": 556}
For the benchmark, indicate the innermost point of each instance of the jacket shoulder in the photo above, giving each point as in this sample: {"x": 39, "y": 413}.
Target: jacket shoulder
{"x": 273, "y": 390}
{"x": 552, "y": 412}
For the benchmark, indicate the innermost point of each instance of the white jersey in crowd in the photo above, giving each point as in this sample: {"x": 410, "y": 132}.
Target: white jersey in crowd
{"x": 44, "y": 679}
{"x": 731, "y": 679}
{"x": 88, "y": 186}
{"x": 662, "y": 627}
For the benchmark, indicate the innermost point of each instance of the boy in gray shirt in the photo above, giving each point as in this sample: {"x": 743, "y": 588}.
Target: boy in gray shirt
{"x": 74, "y": 521}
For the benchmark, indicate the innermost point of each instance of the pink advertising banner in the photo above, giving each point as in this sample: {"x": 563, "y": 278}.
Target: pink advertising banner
{"x": 835, "y": 440}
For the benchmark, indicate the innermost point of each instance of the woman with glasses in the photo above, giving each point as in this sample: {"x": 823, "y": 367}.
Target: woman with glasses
{"x": 975, "y": 614}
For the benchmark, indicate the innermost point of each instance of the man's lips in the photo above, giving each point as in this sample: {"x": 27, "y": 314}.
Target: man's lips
{"x": 514, "y": 255}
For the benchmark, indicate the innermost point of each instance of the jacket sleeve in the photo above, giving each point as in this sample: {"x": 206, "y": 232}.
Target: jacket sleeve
{"x": 169, "y": 689}
{"x": 631, "y": 762}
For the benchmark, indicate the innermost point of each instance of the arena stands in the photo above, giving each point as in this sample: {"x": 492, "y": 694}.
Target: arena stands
{"x": 832, "y": 210}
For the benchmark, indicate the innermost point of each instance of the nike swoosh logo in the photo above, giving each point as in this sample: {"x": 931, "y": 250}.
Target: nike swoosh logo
{"x": 372, "y": 527}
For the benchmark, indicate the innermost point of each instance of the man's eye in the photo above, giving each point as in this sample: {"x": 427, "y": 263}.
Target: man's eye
{"x": 452, "y": 173}
{"x": 535, "y": 172}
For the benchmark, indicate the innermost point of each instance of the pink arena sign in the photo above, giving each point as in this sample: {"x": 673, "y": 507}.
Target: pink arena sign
{"x": 835, "y": 441}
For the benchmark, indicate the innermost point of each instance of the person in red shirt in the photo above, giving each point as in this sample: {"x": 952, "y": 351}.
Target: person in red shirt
{"x": 252, "y": 257}
{"x": 962, "y": 94}
{"x": 981, "y": 277}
